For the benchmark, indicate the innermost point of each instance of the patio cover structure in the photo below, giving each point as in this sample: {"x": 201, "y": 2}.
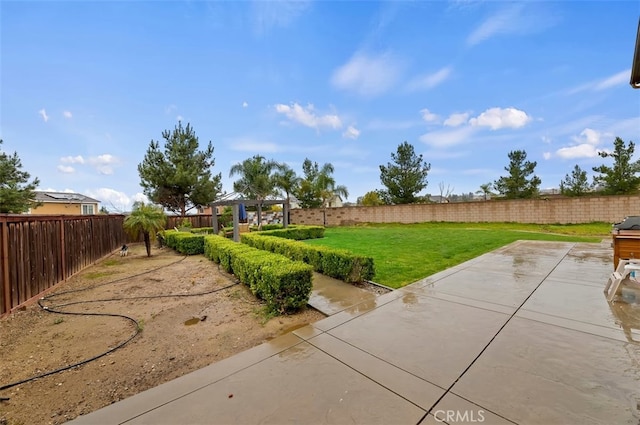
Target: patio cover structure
{"x": 235, "y": 199}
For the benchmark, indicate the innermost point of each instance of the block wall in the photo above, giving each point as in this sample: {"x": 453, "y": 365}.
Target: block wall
{"x": 608, "y": 209}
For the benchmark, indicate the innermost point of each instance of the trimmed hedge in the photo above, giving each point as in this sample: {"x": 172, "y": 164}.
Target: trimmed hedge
{"x": 298, "y": 233}
{"x": 185, "y": 243}
{"x": 266, "y": 227}
{"x": 337, "y": 263}
{"x": 284, "y": 285}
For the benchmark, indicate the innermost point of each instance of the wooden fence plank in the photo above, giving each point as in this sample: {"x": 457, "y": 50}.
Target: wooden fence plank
{"x": 38, "y": 252}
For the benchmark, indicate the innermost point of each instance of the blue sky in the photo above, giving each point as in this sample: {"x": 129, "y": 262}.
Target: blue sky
{"x": 85, "y": 86}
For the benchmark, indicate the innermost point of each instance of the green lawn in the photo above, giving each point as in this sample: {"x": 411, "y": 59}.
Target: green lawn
{"x": 404, "y": 253}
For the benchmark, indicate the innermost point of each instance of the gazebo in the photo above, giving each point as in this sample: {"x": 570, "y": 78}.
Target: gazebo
{"x": 235, "y": 199}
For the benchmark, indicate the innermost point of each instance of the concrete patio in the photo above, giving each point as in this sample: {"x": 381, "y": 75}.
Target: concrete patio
{"x": 520, "y": 335}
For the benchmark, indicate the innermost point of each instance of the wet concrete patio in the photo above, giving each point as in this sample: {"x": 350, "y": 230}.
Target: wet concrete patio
{"x": 520, "y": 335}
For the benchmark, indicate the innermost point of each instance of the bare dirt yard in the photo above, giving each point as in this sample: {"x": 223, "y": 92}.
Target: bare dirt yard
{"x": 189, "y": 313}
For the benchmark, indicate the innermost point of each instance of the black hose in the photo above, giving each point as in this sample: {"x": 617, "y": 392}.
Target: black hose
{"x": 54, "y": 309}
{"x": 80, "y": 363}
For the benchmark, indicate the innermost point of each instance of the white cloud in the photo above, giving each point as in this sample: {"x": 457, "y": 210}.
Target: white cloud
{"x": 546, "y": 139}
{"x": 267, "y": 15}
{"x": 430, "y": 81}
{"x": 43, "y": 114}
{"x": 368, "y": 75}
{"x": 114, "y": 200}
{"x": 245, "y": 104}
{"x": 104, "y": 163}
{"x": 170, "y": 109}
{"x": 179, "y": 118}
{"x": 584, "y": 150}
{"x": 620, "y": 78}
{"x": 585, "y": 145}
{"x": 308, "y": 117}
{"x": 249, "y": 145}
{"x": 497, "y": 118}
{"x": 67, "y": 114}
{"x": 447, "y": 138}
{"x": 617, "y": 79}
{"x": 428, "y": 116}
{"x": 456, "y": 119}
{"x": 546, "y": 155}
{"x": 588, "y": 136}
{"x": 515, "y": 19}
{"x": 500, "y": 23}
{"x": 67, "y": 169}
{"x": 351, "y": 133}
{"x": 72, "y": 159}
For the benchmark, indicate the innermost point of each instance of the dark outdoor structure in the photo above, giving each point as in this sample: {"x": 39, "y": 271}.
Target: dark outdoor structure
{"x": 236, "y": 200}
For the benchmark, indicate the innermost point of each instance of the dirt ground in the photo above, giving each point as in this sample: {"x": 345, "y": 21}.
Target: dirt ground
{"x": 178, "y": 334}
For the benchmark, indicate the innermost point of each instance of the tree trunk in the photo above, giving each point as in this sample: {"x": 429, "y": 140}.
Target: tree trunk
{"x": 147, "y": 243}
{"x": 259, "y": 215}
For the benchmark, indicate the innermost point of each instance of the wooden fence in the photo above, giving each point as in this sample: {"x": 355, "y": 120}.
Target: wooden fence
{"x": 197, "y": 221}
{"x": 39, "y": 251}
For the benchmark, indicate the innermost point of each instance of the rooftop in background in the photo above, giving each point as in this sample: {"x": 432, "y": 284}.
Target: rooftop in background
{"x": 67, "y": 203}
{"x": 64, "y": 197}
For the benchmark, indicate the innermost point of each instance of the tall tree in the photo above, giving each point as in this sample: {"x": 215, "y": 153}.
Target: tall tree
{"x": 179, "y": 178}
{"x": 371, "y": 198}
{"x": 16, "y": 193}
{"x": 256, "y": 179}
{"x": 518, "y": 184}
{"x": 623, "y": 177}
{"x": 286, "y": 180}
{"x": 406, "y": 176}
{"x": 145, "y": 219}
{"x": 327, "y": 185}
{"x": 307, "y": 192}
{"x": 485, "y": 189}
{"x": 575, "y": 184}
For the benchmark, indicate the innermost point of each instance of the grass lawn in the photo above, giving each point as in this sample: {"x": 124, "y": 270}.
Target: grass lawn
{"x": 404, "y": 253}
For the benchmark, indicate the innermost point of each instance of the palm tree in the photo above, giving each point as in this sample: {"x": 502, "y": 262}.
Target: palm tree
{"x": 147, "y": 219}
{"x": 485, "y": 189}
{"x": 327, "y": 188}
{"x": 287, "y": 180}
{"x": 256, "y": 179}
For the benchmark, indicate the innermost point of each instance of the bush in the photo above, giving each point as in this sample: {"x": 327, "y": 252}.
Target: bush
{"x": 297, "y": 233}
{"x": 266, "y": 227}
{"x": 337, "y": 263}
{"x": 284, "y": 285}
{"x": 171, "y": 238}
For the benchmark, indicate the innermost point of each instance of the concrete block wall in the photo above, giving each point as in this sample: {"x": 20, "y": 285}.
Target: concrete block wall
{"x": 608, "y": 209}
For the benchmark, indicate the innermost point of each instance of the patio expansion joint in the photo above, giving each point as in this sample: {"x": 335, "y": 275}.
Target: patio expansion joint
{"x": 511, "y": 316}
{"x": 196, "y": 389}
{"x": 566, "y": 319}
{"x": 368, "y": 377}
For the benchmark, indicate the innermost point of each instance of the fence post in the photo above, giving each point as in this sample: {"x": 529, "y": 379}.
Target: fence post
{"x": 63, "y": 261}
{"x": 6, "y": 286}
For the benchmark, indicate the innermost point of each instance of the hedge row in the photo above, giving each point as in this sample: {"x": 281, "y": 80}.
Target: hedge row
{"x": 337, "y": 263}
{"x": 298, "y": 233}
{"x": 285, "y": 285}
{"x": 184, "y": 242}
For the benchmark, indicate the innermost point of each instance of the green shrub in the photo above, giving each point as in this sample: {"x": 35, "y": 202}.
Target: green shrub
{"x": 297, "y": 233}
{"x": 337, "y": 263}
{"x": 266, "y": 227}
{"x": 171, "y": 238}
{"x": 284, "y": 285}
{"x": 190, "y": 244}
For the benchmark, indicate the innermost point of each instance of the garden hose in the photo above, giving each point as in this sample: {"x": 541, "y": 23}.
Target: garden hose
{"x": 55, "y": 309}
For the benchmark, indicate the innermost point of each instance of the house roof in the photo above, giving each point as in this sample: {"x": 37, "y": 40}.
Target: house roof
{"x": 63, "y": 197}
